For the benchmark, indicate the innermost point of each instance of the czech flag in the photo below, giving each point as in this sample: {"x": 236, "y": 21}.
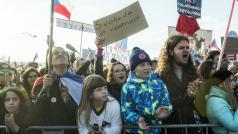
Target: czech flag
{"x": 74, "y": 83}
{"x": 122, "y": 44}
{"x": 214, "y": 45}
{"x": 63, "y": 7}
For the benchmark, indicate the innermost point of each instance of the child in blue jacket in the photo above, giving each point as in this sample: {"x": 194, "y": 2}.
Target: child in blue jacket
{"x": 144, "y": 98}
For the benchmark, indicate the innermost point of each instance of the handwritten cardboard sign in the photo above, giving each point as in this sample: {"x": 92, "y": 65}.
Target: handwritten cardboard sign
{"x": 231, "y": 45}
{"x": 121, "y": 24}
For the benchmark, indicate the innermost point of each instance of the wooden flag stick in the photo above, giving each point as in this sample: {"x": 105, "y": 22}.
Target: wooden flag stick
{"x": 227, "y": 29}
{"x": 51, "y": 37}
{"x": 51, "y": 43}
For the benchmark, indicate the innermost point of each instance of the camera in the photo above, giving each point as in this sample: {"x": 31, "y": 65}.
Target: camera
{"x": 105, "y": 124}
{"x": 96, "y": 128}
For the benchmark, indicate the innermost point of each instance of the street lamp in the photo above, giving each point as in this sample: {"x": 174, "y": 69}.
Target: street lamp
{"x": 29, "y": 34}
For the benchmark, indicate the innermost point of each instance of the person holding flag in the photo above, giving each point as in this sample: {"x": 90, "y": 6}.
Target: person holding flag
{"x": 58, "y": 94}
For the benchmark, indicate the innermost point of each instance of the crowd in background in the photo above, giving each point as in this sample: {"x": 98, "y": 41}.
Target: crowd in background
{"x": 100, "y": 99}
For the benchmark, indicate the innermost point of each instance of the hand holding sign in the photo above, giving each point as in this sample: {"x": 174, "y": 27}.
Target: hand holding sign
{"x": 121, "y": 24}
{"x": 99, "y": 41}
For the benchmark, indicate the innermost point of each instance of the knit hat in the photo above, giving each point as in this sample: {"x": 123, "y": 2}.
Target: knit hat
{"x": 221, "y": 74}
{"x": 137, "y": 57}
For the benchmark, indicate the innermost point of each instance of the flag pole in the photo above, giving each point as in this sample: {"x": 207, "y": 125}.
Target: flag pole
{"x": 225, "y": 38}
{"x": 51, "y": 42}
{"x": 81, "y": 41}
{"x": 51, "y": 36}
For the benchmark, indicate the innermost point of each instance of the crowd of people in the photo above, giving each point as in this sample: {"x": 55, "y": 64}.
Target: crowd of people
{"x": 101, "y": 99}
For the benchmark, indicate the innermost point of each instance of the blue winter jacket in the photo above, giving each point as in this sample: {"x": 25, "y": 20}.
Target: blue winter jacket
{"x": 220, "y": 112}
{"x": 141, "y": 98}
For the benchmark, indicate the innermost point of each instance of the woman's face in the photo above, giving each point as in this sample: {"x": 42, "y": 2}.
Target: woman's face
{"x": 12, "y": 102}
{"x": 119, "y": 74}
{"x": 32, "y": 78}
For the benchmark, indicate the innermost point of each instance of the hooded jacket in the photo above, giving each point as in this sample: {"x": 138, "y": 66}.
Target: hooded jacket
{"x": 141, "y": 98}
{"x": 220, "y": 112}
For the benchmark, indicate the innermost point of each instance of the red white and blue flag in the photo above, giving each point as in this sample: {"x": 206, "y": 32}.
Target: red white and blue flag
{"x": 74, "y": 84}
{"x": 214, "y": 45}
{"x": 63, "y": 7}
{"x": 122, "y": 44}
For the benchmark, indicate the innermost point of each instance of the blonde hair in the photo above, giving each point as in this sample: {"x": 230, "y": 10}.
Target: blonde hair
{"x": 225, "y": 85}
{"x": 90, "y": 83}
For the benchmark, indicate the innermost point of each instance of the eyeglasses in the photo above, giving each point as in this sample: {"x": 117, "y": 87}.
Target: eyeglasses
{"x": 32, "y": 76}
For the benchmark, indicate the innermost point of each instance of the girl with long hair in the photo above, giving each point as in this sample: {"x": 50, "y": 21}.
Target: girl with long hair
{"x": 28, "y": 79}
{"x": 98, "y": 113}
{"x": 14, "y": 109}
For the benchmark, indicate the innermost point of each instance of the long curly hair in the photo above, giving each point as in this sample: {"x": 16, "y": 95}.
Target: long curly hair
{"x": 24, "y": 79}
{"x": 24, "y": 100}
{"x": 165, "y": 63}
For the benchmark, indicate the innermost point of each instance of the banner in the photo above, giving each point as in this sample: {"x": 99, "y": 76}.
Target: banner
{"x": 190, "y": 7}
{"x": 121, "y": 24}
{"x": 85, "y": 53}
{"x": 231, "y": 45}
{"x": 118, "y": 54}
{"x": 74, "y": 25}
{"x": 202, "y": 36}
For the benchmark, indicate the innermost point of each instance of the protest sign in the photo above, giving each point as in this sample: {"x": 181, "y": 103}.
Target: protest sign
{"x": 231, "y": 45}
{"x": 200, "y": 35}
{"x": 118, "y": 54}
{"x": 85, "y": 53}
{"x": 121, "y": 24}
{"x": 75, "y": 25}
{"x": 190, "y": 7}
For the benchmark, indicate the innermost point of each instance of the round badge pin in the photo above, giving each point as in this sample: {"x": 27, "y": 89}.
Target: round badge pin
{"x": 53, "y": 99}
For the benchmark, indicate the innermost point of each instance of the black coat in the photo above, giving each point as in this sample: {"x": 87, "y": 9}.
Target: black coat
{"x": 183, "y": 108}
{"x": 51, "y": 111}
{"x": 115, "y": 91}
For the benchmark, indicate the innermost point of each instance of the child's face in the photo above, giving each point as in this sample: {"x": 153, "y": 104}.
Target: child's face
{"x": 100, "y": 94}
{"x": 143, "y": 70}
{"x": 11, "y": 102}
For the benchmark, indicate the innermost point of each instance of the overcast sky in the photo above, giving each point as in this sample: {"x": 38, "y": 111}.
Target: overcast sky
{"x": 19, "y": 18}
